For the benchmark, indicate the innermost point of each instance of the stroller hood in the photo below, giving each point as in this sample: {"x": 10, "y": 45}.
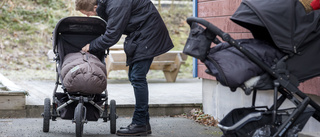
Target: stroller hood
{"x": 78, "y": 25}
{"x": 285, "y": 21}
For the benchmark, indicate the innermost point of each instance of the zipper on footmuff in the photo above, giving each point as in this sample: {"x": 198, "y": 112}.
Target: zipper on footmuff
{"x": 85, "y": 59}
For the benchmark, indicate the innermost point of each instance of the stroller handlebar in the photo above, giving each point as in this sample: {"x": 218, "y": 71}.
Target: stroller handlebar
{"x": 211, "y": 27}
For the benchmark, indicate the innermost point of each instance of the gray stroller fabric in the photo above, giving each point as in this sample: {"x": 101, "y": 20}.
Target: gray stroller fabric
{"x": 232, "y": 68}
{"x": 84, "y": 73}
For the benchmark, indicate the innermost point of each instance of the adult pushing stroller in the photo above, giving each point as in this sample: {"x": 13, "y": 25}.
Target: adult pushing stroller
{"x": 69, "y": 36}
{"x": 280, "y": 56}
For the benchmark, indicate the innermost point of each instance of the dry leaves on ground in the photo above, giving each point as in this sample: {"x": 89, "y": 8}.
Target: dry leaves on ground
{"x": 199, "y": 116}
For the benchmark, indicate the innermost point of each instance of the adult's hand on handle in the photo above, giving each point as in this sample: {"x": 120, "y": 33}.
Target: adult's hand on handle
{"x": 86, "y": 48}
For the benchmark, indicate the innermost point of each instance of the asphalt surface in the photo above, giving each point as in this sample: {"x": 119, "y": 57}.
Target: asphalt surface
{"x": 161, "y": 127}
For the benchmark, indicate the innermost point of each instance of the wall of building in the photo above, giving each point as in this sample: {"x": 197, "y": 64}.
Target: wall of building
{"x": 218, "y": 100}
{"x": 218, "y": 13}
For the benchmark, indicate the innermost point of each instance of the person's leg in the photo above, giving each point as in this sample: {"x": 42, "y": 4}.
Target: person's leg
{"x": 137, "y": 76}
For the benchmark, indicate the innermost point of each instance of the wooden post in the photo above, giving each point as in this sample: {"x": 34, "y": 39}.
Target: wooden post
{"x": 171, "y": 75}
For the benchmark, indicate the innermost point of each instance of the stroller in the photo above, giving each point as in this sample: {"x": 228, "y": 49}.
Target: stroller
{"x": 69, "y": 36}
{"x": 292, "y": 48}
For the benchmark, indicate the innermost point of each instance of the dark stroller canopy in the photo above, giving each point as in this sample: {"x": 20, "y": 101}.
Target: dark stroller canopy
{"x": 287, "y": 23}
{"x": 78, "y": 25}
{"x": 74, "y": 32}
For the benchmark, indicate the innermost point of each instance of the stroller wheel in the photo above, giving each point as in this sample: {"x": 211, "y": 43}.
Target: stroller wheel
{"x": 46, "y": 115}
{"x": 113, "y": 116}
{"x": 79, "y": 119}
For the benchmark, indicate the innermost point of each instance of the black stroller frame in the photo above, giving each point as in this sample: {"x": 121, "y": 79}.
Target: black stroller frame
{"x": 90, "y": 28}
{"x": 281, "y": 85}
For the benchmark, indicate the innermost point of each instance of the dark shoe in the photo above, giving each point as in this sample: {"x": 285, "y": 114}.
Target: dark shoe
{"x": 133, "y": 130}
{"x": 148, "y": 128}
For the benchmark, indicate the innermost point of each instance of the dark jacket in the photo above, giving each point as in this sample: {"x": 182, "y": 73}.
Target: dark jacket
{"x": 147, "y": 35}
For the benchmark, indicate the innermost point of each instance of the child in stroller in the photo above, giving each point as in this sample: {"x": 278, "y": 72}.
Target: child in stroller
{"x": 292, "y": 50}
{"x": 78, "y": 103}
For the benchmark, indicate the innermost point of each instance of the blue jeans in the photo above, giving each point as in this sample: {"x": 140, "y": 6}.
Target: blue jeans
{"x": 137, "y": 76}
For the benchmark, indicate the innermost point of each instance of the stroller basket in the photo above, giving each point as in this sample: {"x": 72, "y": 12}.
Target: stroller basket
{"x": 245, "y": 122}
{"x": 67, "y": 112}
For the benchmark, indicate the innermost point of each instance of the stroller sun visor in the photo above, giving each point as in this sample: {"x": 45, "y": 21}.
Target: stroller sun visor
{"x": 287, "y": 23}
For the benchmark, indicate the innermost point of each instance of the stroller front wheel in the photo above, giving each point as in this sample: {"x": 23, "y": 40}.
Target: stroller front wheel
{"x": 79, "y": 117}
{"x": 113, "y": 116}
{"x": 46, "y": 115}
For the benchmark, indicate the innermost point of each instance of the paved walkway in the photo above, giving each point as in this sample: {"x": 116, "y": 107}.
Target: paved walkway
{"x": 183, "y": 91}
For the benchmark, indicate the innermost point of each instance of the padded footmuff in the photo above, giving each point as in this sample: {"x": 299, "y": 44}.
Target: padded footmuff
{"x": 232, "y": 68}
{"x": 84, "y": 73}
